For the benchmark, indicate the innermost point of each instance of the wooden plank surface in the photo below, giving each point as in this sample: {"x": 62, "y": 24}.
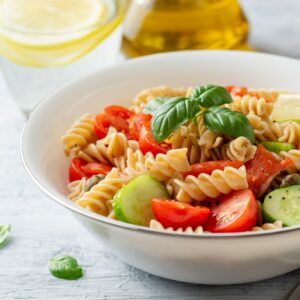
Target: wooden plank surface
{"x": 42, "y": 229}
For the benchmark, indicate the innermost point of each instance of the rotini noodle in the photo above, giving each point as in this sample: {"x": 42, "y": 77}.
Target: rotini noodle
{"x": 294, "y": 155}
{"x": 291, "y": 133}
{"x": 268, "y": 226}
{"x": 164, "y": 166}
{"x": 79, "y": 135}
{"x": 77, "y": 189}
{"x": 96, "y": 199}
{"x": 248, "y": 103}
{"x": 239, "y": 149}
{"x": 145, "y": 96}
{"x": 219, "y": 182}
{"x": 189, "y": 230}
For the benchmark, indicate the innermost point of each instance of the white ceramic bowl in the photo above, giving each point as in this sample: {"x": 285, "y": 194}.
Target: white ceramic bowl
{"x": 209, "y": 258}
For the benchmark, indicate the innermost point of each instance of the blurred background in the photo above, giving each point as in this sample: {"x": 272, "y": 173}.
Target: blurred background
{"x": 46, "y": 43}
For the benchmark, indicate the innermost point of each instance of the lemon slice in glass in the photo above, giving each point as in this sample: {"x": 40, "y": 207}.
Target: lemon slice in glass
{"x": 286, "y": 108}
{"x": 40, "y": 22}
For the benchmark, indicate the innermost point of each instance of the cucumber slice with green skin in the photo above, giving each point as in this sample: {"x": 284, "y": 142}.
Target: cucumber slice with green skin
{"x": 283, "y": 205}
{"x": 278, "y": 147}
{"x": 132, "y": 203}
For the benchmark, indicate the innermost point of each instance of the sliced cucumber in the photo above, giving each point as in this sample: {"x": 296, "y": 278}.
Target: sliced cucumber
{"x": 132, "y": 204}
{"x": 278, "y": 147}
{"x": 283, "y": 205}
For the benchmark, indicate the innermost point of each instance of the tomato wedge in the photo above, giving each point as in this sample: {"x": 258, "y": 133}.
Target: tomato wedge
{"x": 75, "y": 171}
{"x": 95, "y": 168}
{"x": 209, "y": 166}
{"x": 262, "y": 169}
{"x": 236, "y": 212}
{"x": 115, "y": 116}
{"x": 147, "y": 142}
{"x": 176, "y": 214}
{"x": 136, "y": 122}
{"x": 237, "y": 91}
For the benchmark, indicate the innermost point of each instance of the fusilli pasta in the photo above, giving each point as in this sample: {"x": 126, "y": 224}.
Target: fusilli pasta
{"x": 247, "y": 104}
{"x": 79, "y": 135}
{"x": 219, "y": 182}
{"x": 239, "y": 149}
{"x": 268, "y": 226}
{"x": 141, "y": 99}
{"x": 189, "y": 230}
{"x": 96, "y": 199}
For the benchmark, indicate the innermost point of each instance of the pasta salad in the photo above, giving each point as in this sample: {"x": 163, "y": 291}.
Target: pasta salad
{"x": 191, "y": 160}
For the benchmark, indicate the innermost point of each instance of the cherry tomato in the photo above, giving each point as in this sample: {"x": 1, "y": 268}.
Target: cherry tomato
{"x": 262, "y": 169}
{"x": 236, "y": 212}
{"x": 209, "y": 166}
{"x": 147, "y": 142}
{"x": 115, "y": 116}
{"x": 118, "y": 111}
{"x": 136, "y": 122}
{"x": 176, "y": 214}
{"x": 75, "y": 171}
{"x": 95, "y": 168}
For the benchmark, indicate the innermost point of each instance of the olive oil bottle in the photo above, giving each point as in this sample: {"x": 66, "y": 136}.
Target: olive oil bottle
{"x": 153, "y": 26}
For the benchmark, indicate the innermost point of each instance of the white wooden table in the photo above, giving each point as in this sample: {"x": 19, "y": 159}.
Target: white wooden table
{"x": 41, "y": 228}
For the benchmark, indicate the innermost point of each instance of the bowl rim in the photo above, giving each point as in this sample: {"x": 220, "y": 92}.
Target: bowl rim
{"x": 123, "y": 225}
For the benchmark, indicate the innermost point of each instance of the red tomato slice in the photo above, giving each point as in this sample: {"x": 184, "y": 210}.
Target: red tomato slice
{"x": 242, "y": 91}
{"x": 118, "y": 111}
{"x": 75, "y": 171}
{"x": 95, "y": 168}
{"x": 147, "y": 142}
{"x": 136, "y": 122}
{"x": 262, "y": 169}
{"x": 209, "y": 166}
{"x": 236, "y": 212}
{"x": 176, "y": 214}
{"x": 104, "y": 120}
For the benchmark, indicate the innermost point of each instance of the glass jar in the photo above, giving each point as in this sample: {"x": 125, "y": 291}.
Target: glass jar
{"x": 153, "y": 26}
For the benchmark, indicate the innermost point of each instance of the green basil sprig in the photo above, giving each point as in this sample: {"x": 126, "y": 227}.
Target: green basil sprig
{"x": 211, "y": 95}
{"x": 171, "y": 115}
{"x": 4, "y": 231}
{"x": 171, "y": 112}
{"x": 65, "y": 267}
{"x": 224, "y": 120}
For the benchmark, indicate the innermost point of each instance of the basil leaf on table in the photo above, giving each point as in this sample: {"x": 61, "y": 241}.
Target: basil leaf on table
{"x": 232, "y": 123}
{"x": 154, "y": 104}
{"x": 211, "y": 95}
{"x": 171, "y": 115}
{"x": 65, "y": 267}
{"x": 4, "y": 230}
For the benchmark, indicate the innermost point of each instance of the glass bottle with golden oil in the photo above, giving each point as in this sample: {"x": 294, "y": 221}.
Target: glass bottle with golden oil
{"x": 153, "y": 26}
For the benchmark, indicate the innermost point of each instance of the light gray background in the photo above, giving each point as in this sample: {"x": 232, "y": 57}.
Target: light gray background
{"x": 42, "y": 229}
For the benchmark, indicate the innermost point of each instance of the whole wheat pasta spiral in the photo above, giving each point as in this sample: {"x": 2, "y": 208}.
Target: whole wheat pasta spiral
{"x": 291, "y": 133}
{"x": 239, "y": 149}
{"x": 96, "y": 199}
{"x": 268, "y": 226}
{"x": 269, "y": 95}
{"x": 219, "y": 182}
{"x": 248, "y": 103}
{"x": 79, "y": 135}
{"x": 189, "y": 230}
{"x": 141, "y": 99}
{"x": 135, "y": 163}
{"x": 110, "y": 150}
{"x": 187, "y": 137}
{"x": 77, "y": 188}
{"x": 164, "y": 166}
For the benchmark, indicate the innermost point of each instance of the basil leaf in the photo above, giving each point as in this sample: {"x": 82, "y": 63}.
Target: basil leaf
{"x": 154, "y": 104}
{"x": 211, "y": 95}
{"x": 65, "y": 267}
{"x": 4, "y": 230}
{"x": 171, "y": 115}
{"x": 232, "y": 123}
